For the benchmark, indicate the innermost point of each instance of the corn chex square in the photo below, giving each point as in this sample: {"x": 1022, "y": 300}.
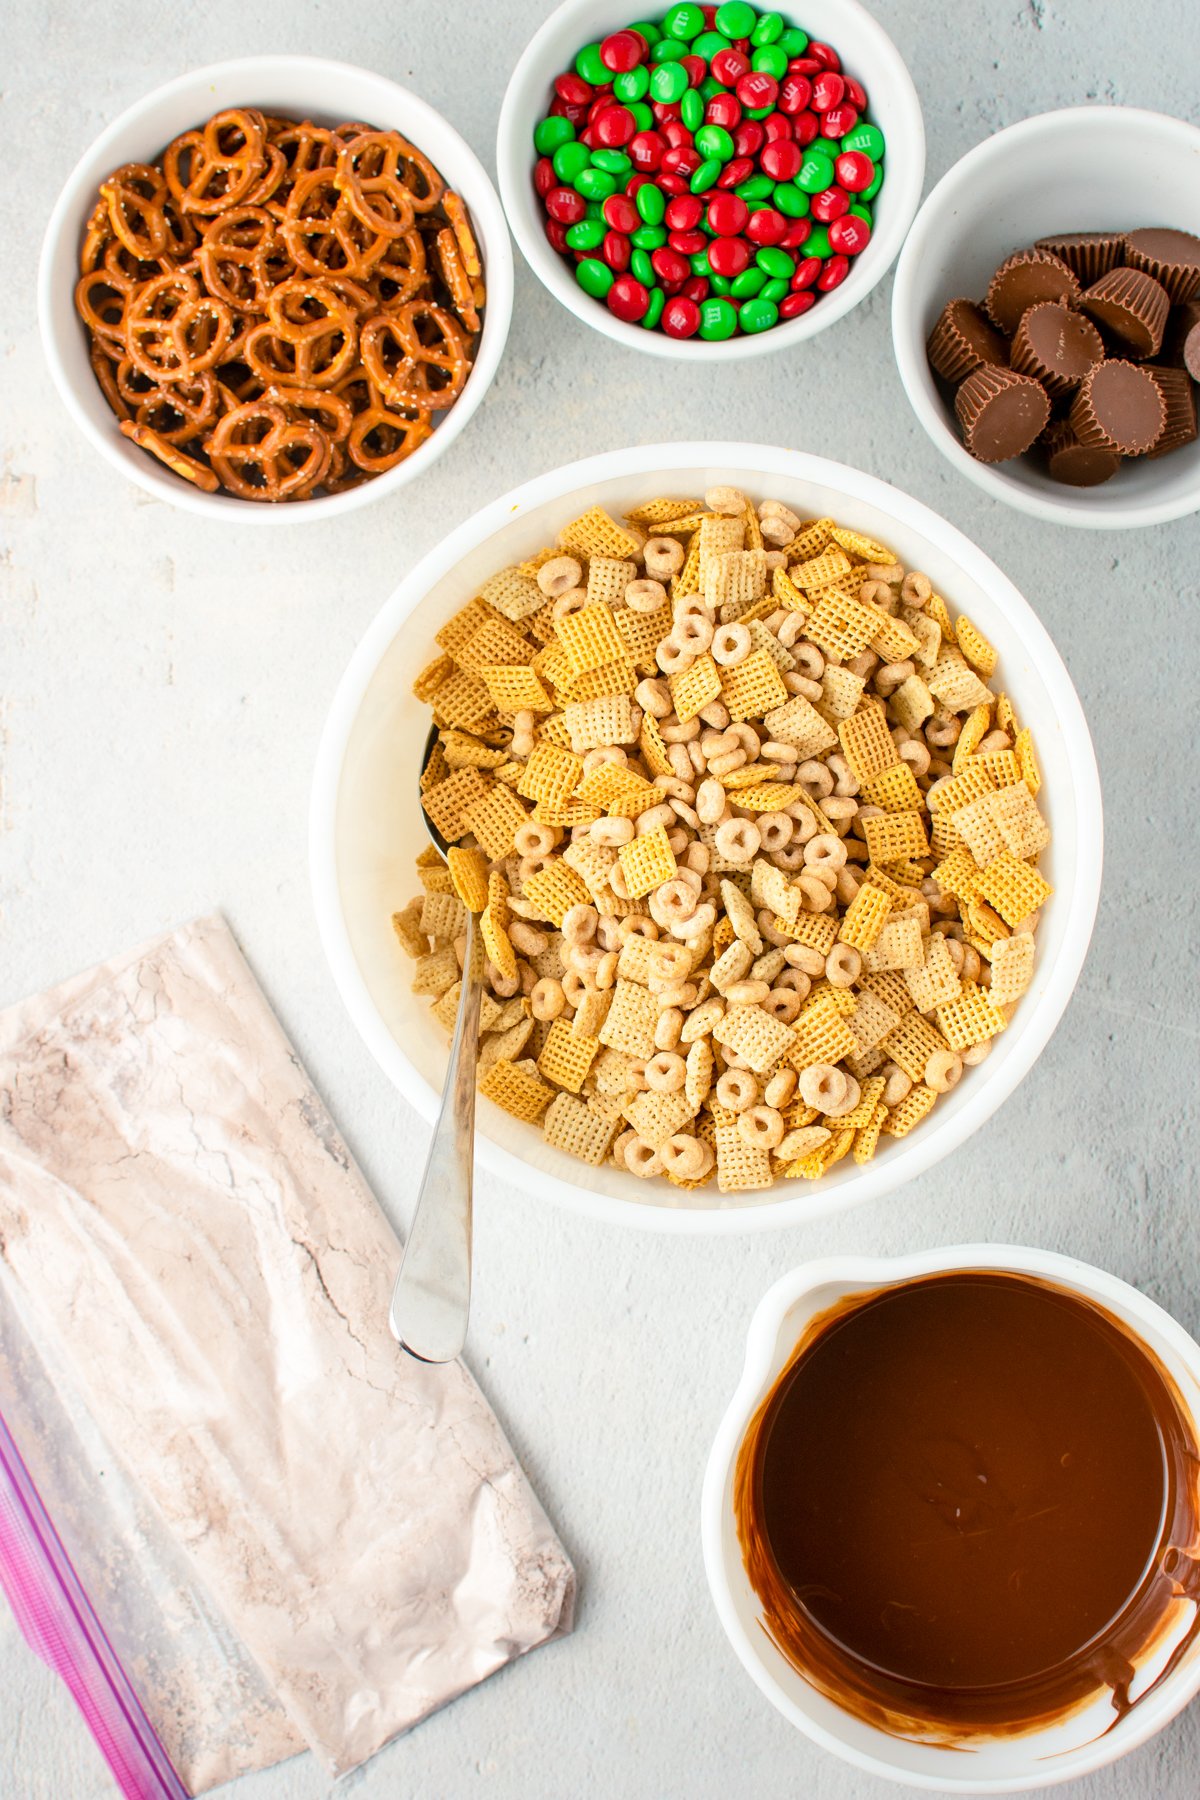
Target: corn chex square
{"x": 916, "y": 1104}
{"x": 912, "y": 703}
{"x": 841, "y": 626}
{"x": 911, "y": 1044}
{"x": 446, "y": 803}
{"x": 754, "y": 1035}
{"x": 741, "y": 1168}
{"x": 1012, "y": 967}
{"x": 555, "y": 889}
{"x": 647, "y": 861}
{"x": 552, "y": 774}
{"x": 1017, "y": 818}
{"x": 595, "y": 724}
{"x": 867, "y": 744}
{"x": 937, "y": 983}
{"x": 894, "y": 641}
{"x": 898, "y": 946}
{"x": 657, "y": 1117}
{"x": 797, "y": 722}
{"x": 570, "y": 1125}
{"x": 894, "y": 789}
{"x": 1013, "y": 887}
{"x": 977, "y": 827}
{"x": 631, "y": 1020}
{"x": 971, "y": 1019}
{"x": 841, "y": 691}
{"x": 821, "y": 1035}
{"x": 871, "y": 1021}
{"x": 826, "y": 566}
{"x": 641, "y": 634}
{"x": 608, "y": 577}
{"x": 694, "y": 687}
{"x": 734, "y": 580}
{"x": 865, "y": 917}
{"x": 954, "y": 682}
{"x": 512, "y": 594}
{"x": 463, "y": 624}
{"x": 893, "y": 836}
{"x": 462, "y": 700}
{"x": 590, "y": 638}
{"x": 516, "y": 1091}
{"x": 596, "y": 533}
{"x": 567, "y": 1057}
{"x": 753, "y": 688}
{"x": 514, "y": 687}
{"x": 495, "y": 642}
{"x": 469, "y": 876}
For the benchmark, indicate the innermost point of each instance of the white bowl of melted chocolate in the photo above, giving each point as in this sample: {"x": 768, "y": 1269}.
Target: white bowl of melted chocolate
{"x": 952, "y": 1517}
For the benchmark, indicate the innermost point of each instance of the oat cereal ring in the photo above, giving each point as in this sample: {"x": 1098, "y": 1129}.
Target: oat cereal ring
{"x": 653, "y": 697}
{"x": 571, "y": 600}
{"x": 579, "y": 924}
{"x": 761, "y": 1127}
{"x": 668, "y": 963}
{"x": 896, "y": 1084}
{"x": 684, "y": 1156}
{"x": 731, "y": 645}
{"x": 611, "y": 833}
{"x": 737, "y": 1090}
{"x": 532, "y": 839}
{"x": 547, "y": 1000}
{"x": 943, "y": 1071}
{"x": 642, "y": 1159}
{"x": 665, "y": 1072}
{"x": 673, "y": 901}
{"x": 825, "y": 852}
{"x": 843, "y": 965}
{"x": 726, "y": 500}
{"x": 645, "y": 596}
{"x": 671, "y": 656}
{"x": 558, "y": 575}
{"x": 784, "y": 1004}
{"x": 663, "y": 557}
{"x": 738, "y": 840}
{"x": 781, "y": 1088}
{"x": 775, "y": 831}
{"x": 693, "y": 631}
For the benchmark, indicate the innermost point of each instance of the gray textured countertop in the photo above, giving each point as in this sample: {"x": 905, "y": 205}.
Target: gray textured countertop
{"x": 163, "y": 687}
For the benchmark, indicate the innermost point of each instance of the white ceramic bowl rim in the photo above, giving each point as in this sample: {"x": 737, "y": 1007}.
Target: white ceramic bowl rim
{"x": 849, "y": 27}
{"x": 765, "y": 1357}
{"x": 953, "y": 194}
{"x": 254, "y": 77}
{"x": 907, "y": 1158}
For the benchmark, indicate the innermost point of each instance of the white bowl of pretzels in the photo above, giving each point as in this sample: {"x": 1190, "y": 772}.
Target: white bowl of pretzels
{"x": 366, "y": 831}
{"x": 233, "y": 329}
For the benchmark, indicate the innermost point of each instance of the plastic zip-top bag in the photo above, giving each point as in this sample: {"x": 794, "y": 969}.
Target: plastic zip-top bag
{"x": 236, "y": 1516}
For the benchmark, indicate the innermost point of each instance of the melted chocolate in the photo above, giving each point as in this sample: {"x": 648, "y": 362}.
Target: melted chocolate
{"x": 969, "y": 1505}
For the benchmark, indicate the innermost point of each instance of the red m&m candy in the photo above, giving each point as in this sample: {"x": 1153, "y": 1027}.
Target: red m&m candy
{"x": 680, "y": 317}
{"x": 623, "y": 51}
{"x": 854, "y": 171}
{"x": 628, "y": 299}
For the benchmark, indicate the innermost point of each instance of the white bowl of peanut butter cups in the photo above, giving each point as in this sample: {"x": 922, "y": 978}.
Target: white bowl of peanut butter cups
{"x": 1108, "y": 170}
{"x": 329, "y": 94}
{"x": 366, "y": 828}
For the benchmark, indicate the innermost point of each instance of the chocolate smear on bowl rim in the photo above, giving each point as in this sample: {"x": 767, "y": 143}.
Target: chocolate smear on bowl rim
{"x": 1089, "y": 254}
{"x": 1171, "y": 256}
{"x": 1057, "y": 346}
{"x": 1132, "y": 307}
{"x": 1022, "y": 280}
{"x": 963, "y": 340}
{"x": 1000, "y": 413}
{"x": 1120, "y": 407}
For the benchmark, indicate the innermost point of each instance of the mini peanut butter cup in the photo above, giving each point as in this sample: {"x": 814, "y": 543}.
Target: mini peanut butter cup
{"x": 1088, "y": 254}
{"x": 1172, "y": 257}
{"x": 1000, "y": 413}
{"x": 1119, "y": 407}
{"x": 1022, "y": 280}
{"x": 1073, "y": 463}
{"x": 1133, "y": 306}
{"x": 1057, "y": 346}
{"x": 962, "y": 340}
{"x": 1181, "y": 340}
{"x": 1180, "y": 401}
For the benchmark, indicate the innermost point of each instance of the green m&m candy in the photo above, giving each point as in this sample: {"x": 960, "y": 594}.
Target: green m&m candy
{"x": 705, "y": 176}
{"x": 757, "y": 315}
{"x": 642, "y": 268}
{"x": 816, "y": 173}
{"x": 668, "y": 49}
{"x": 876, "y": 183}
{"x": 710, "y": 44}
{"x": 613, "y": 162}
{"x": 768, "y": 30}
{"x": 595, "y": 184}
{"x": 589, "y": 234}
{"x": 718, "y": 318}
{"x": 684, "y": 22}
{"x": 775, "y": 263}
{"x": 632, "y": 84}
{"x": 756, "y": 187}
{"x": 770, "y": 59}
{"x": 817, "y": 242}
{"x": 790, "y": 200}
{"x": 866, "y": 138}
{"x": 654, "y": 311}
{"x": 736, "y": 19}
{"x": 691, "y": 109}
{"x": 648, "y": 237}
{"x": 793, "y": 41}
{"x": 744, "y": 286}
{"x": 651, "y": 203}
{"x": 651, "y": 33}
{"x": 643, "y": 118}
{"x": 594, "y": 277}
{"x": 774, "y": 290}
{"x": 713, "y": 141}
{"x": 550, "y": 134}
{"x": 590, "y": 65}
{"x": 569, "y": 159}
{"x": 668, "y": 83}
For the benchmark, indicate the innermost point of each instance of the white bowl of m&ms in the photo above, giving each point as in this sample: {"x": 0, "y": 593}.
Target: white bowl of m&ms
{"x": 711, "y": 181}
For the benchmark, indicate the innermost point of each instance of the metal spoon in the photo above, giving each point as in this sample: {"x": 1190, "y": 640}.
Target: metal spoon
{"x": 431, "y": 1302}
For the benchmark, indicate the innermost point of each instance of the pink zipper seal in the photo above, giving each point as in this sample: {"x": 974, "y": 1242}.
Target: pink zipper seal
{"x": 59, "y": 1623}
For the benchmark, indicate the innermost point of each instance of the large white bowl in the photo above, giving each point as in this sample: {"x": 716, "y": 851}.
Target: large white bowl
{"x": 306, "y": 87}
{"x": 867, "y": 53}
{"x": 1014, "y": 1765}
{"x": 1089, "y": 168}
{"x": 366, "y": 825}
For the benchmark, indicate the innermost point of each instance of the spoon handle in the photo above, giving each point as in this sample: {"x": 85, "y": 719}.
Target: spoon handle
{"x": 431, "y": 1301}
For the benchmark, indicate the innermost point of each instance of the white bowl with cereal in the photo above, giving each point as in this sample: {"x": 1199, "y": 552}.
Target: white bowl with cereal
{"x": 366, "y": 832}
